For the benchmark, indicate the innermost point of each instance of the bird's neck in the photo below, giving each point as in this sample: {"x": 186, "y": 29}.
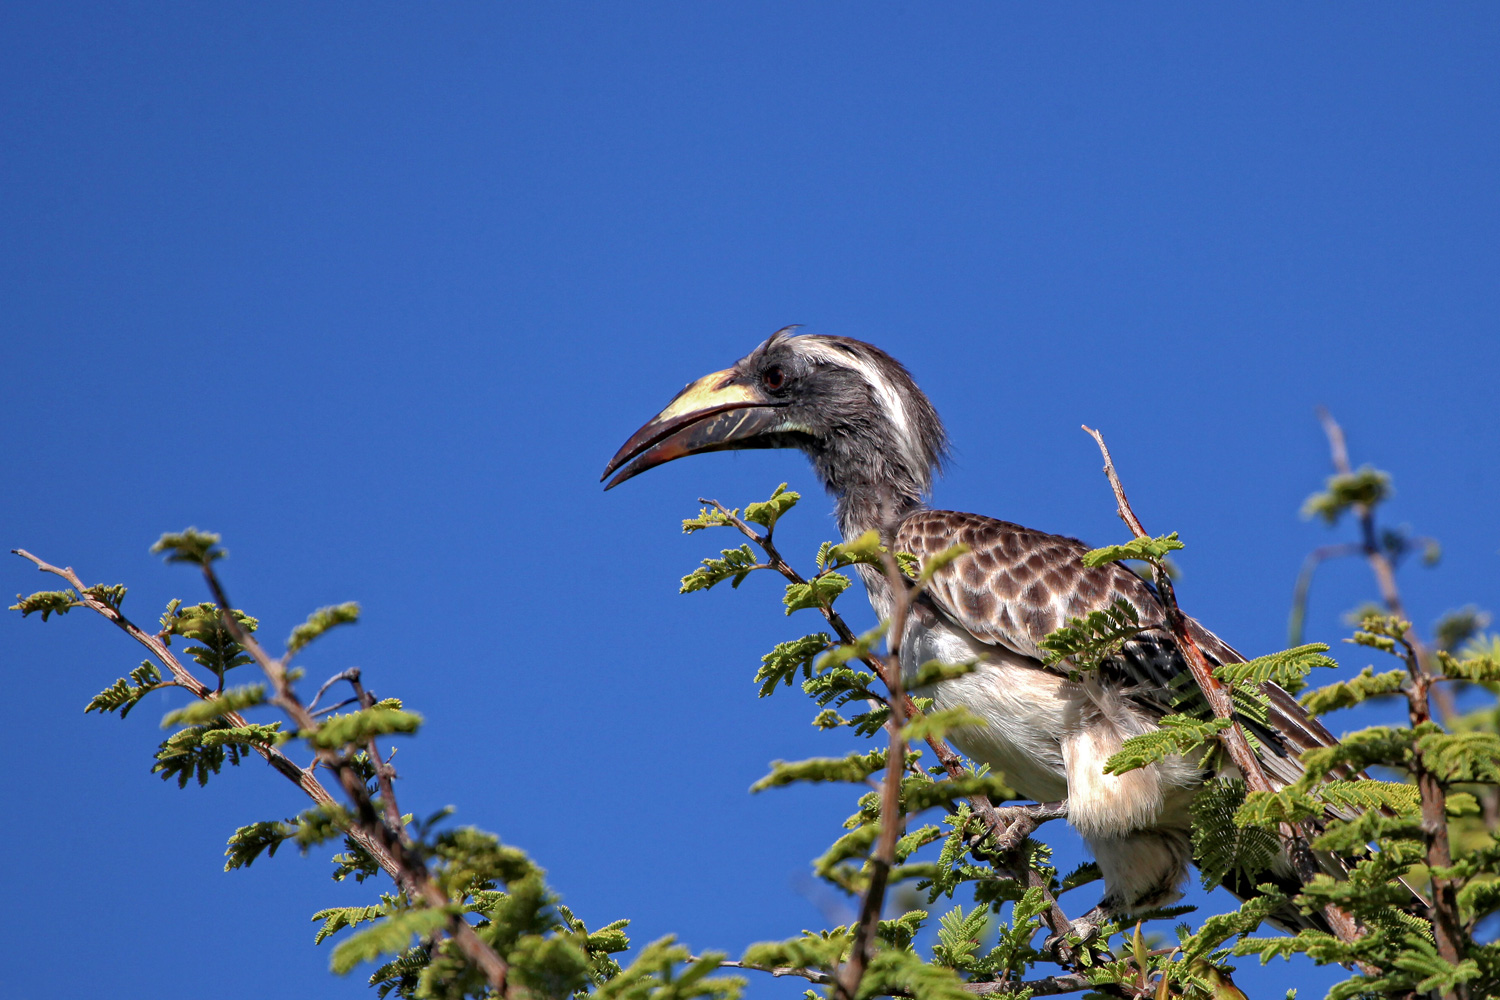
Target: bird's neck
{"x": 870, "y": 477}
{"x": 864, "y": 507}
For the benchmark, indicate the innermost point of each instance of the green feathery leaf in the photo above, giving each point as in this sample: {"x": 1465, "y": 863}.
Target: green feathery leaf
{"x": 190, "y": 753}
{"x": 204, "y": 623}
{"x": 1366, "y": 487}
{"x": 1347, "y": 694}
{"x": 359, "y": 727}
{"x": 819, "y": 592}
{"x": 735, "y": 565}
{"x": 190, "y": 546}
{"x": 1088, "y": 641}
{"x": 937, "y": 725}
{"x": 48, "y": 602}
{"x": 125, "y": 693}
{"x": 855, "y": 767}
{"x": 766, "y": 514}
{"x": 654, "y": 975}
{"x": 782, "y": 664}
{"x": 1148, "y": 549}
{"x": 864, "y": 549}
{"x": 392, "y": 934}
{"x": 207, "y": 709}
{"x": 321, "y": 621}
{"x": 935, "y": 671}
{"x": 1288, "y": 668}
{"x": 1222, "y": 847}
{"x": 709, "y": 519}
{"x": 1475, "y": 669}
{"x": 1179, "y": 734}
{"x": 250, "y": 842}
{"x": 337, "y": 918}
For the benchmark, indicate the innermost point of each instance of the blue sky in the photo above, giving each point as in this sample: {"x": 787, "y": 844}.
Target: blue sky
{"x": 376, "y": 290}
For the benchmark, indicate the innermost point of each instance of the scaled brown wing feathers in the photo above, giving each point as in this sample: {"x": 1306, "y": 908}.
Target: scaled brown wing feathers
{"x": 1017, "y": 584}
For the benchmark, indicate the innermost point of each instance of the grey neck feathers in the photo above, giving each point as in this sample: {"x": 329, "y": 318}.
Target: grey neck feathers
{"x": 872, "y": 486}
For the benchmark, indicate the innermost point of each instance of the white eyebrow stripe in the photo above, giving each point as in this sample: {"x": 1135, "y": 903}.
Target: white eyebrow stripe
{"x": 886, "y": 395}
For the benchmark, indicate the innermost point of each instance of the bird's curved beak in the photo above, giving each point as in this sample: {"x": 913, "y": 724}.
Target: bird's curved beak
{"x": 712, "y": 414}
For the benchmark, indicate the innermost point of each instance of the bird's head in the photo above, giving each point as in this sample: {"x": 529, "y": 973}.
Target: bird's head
{"x": 871, "y": 434}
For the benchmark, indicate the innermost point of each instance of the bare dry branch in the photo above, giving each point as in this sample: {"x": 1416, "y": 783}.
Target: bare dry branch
{"x": 1315, "y": 558}
{"x": 1218, "y": 698}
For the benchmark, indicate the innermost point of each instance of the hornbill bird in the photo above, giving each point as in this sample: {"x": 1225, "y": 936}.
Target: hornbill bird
{"x": 876, "y": 442}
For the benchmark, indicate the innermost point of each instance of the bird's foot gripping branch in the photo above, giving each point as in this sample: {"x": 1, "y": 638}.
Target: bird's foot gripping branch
{"x": 466, "y": 915}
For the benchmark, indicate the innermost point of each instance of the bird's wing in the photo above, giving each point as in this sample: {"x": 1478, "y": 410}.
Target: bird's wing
{"x": 1015, "y": 585}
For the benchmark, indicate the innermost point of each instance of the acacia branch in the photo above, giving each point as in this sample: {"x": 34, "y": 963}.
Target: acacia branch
{"x": 1214, "y": 690}
{"x": 182, "y": 677}
{"x": 385, "y": 774}
{"x": 412, "y": 876}
{"x": 1217, "y": 694}
{"x": 892, "y": 819}
{"x": 383, "y": 839}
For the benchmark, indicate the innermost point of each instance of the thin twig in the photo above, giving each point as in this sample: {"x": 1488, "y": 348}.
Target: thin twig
{"x": 1380, "y": 563}
{"x": 335, "y": 707}
{"x": 1315, "y": 558}
{"x": 1214, "y": 690}
{"x": 1218, "y": 697}
{"x": 385, "y": 774}
{"x": 342, "y": 675}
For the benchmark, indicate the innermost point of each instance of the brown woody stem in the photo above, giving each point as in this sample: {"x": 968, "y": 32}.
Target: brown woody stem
{"x": 1447, "y": 924}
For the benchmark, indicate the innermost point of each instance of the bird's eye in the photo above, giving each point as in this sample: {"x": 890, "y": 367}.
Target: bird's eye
{"x": 774, "y": 378}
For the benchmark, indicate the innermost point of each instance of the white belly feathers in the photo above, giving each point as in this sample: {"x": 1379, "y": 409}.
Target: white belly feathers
{"x": 1027, "y": 712}
{"x": 1050, "y": 737}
